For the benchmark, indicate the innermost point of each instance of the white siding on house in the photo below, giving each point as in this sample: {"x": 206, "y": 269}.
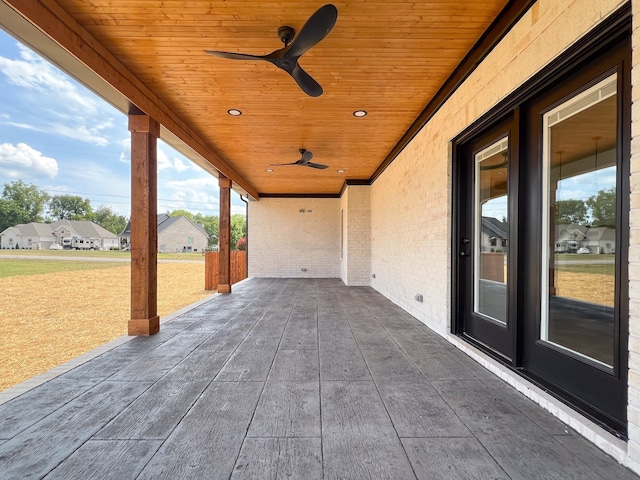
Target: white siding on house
{"x": 287, "y": 235}
{"x": 9, "y": 238}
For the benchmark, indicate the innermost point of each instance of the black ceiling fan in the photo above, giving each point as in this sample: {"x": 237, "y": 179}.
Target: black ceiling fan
{"x": 304, "y": 161}
{"x": 317, "y": 27}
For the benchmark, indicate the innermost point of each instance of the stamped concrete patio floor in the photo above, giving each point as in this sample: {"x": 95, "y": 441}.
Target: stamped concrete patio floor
{"x": 289, "y": 378}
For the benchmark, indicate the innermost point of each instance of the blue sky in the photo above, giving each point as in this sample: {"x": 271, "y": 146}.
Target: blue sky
{"x": 59, "y": 136}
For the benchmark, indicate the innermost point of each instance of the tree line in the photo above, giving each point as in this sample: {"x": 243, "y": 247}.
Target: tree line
{"x": 598, "y": 210}
{"x": 24, "y": 203}
{"x": 211, "y": 224}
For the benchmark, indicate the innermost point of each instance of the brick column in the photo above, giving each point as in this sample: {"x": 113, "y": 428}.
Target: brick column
{"x": 144, "y": 226}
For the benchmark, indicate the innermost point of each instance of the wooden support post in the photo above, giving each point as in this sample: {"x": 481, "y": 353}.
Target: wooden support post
{"x": 144, "y": 226}
{"x": 224, "y": 242}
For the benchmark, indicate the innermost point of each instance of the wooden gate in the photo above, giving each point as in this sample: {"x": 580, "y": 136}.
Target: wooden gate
{"x": 212, "y": 266}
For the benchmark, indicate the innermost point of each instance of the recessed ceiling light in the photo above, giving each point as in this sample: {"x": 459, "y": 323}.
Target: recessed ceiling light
{"x": 340, "y": 171}
{"x": 234, "y": 112}
{"x": 360, "y": 113}
{"x": 269, "y": 170}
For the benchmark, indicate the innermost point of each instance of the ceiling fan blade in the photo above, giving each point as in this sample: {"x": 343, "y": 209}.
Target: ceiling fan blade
{"x": 235, "y": 56}
{"x": 317, "y": 165}
{"x": 306, "y": 82}
{"x": 315, "y": 29}
{"x": 306, "y": 156}
{"x": 284, "y": 164}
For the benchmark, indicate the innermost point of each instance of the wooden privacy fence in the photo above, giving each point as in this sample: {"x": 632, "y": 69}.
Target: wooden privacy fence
{"x": 211, "y": 268}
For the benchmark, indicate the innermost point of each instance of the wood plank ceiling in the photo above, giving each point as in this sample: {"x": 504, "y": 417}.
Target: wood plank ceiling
{"x": 386, "y": 57}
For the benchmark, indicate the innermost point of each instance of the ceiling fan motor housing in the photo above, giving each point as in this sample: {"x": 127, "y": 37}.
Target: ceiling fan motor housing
{"x": 286, "y": 34}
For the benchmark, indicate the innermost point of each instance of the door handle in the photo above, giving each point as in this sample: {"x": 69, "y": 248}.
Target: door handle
{"x": 465, "y": 253}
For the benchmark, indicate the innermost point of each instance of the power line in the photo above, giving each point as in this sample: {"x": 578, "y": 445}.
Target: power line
{"x": 126, "y": 196}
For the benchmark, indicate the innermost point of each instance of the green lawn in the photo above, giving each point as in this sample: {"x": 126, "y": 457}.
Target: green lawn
{"x": 608, "y": 269}
{"x": 23, "y": 267}
{"x": 583, "y": 264}
{"x": 99, "y": 254}
{"x": 584, "y": 258}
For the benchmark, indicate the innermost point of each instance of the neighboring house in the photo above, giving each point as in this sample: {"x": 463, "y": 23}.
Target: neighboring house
{"x": 29, "y": 236}
{"x": 569, "y": 238}
{"x": 69, "y": 233}
{"x": 494, "y": 235}
{"x": 175, "y": 234}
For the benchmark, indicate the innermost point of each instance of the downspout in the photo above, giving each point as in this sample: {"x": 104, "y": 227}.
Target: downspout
{"x": 246, "y": 219}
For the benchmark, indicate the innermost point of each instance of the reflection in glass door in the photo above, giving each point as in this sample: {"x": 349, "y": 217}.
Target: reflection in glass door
{"x": 491, "y": 232}
{"x": 579, "y": 219}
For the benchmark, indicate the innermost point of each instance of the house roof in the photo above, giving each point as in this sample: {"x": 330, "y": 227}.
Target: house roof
{"x": 165, "y": 221}
{"x": 574, "y": 232}
{"x": 80, "y": 228}
{"x": 396, "y": 60}
{"x": 601, "y": 234}
{"x": 38, "y": 229}
{"x": 84, "y": 228}
{"x": 497, "y": 227}
{"x": 168, "y": 221}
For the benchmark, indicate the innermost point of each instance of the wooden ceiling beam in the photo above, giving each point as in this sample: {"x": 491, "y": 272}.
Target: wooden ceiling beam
{"x": 49, "y": 18}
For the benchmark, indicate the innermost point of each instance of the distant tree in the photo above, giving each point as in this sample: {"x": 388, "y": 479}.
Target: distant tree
{"x": 70, "y": 207}
{"x": 603, "y": 208}
{"x": 177, "y": 213}
{"x": 28, "y": 198}
{"x": 571, "y": 211}
{"x": 11, "y": 214}
{"x": 108, "y": 219}
{"x": 238, "y": 228}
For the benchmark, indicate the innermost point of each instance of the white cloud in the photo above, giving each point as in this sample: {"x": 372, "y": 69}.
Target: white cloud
{"x": 125, "y": 155}
{"x": 34, "y": 73}
{"x": 163, "y": 160}
{"x": 21, "y": 160}
{"x": 57, "y": 103}
{"x": 194, "y": 194}
{"x": 81, "y": 133}
{"x": 179, "y": 165}
{"x": 26, "y": 126}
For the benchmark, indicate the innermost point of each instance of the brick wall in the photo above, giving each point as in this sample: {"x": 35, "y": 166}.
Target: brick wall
{"x": 356, "y": 252}
{"x": 633, "y": 411}
{"x": 176, "y": 236}
{"x": 410, "y": 202}
{"x": 289, "y": 234}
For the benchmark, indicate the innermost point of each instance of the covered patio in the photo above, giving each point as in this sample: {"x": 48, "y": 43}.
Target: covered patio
{"x": 360, "y": 348}
{"x": 289, "y": 378}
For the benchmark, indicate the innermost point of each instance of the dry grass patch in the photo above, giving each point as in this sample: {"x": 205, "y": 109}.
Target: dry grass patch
{"x": 593, "y": 288}
{"x": 48, "y": 319}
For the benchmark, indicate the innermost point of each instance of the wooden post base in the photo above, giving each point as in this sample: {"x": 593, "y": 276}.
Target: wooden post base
{"x": 224, "y": 288}
{"x": 146, "y": 326}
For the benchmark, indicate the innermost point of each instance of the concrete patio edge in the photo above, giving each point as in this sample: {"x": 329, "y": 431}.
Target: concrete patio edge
{"x": 605, "y": 441}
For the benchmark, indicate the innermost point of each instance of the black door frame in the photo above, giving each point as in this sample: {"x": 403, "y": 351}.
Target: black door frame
{"x": 595, "y": 45}
{"x": 499, "y": 340}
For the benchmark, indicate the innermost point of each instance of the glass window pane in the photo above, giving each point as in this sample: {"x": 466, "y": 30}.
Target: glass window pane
{"x": 491, "y": 232}
{"x": 580, "y": 223}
